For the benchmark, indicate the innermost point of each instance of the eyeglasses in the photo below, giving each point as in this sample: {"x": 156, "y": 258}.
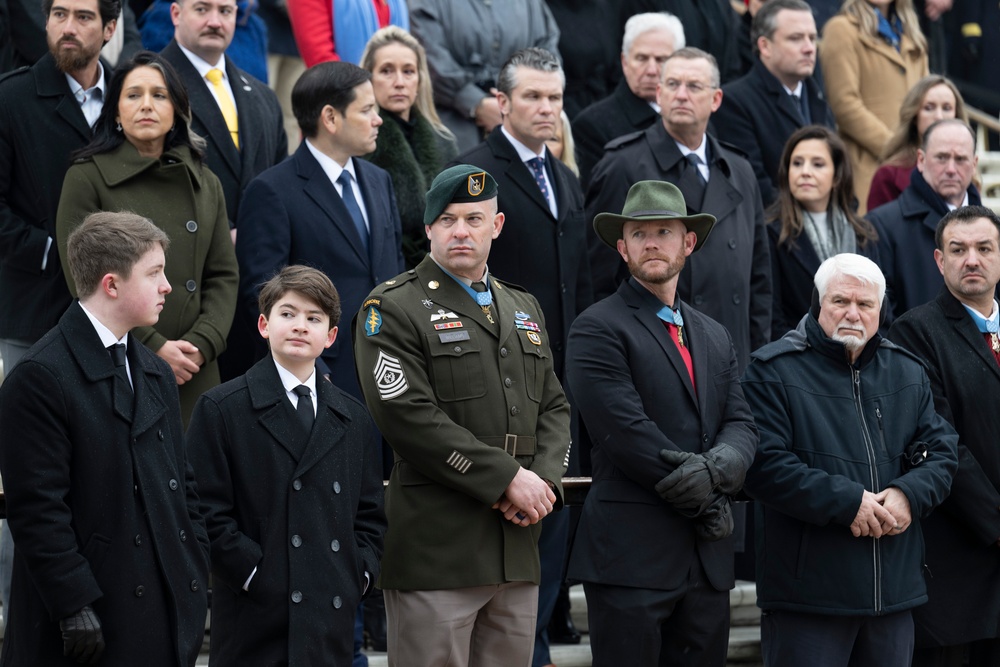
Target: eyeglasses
{"x": 693, "y": 87}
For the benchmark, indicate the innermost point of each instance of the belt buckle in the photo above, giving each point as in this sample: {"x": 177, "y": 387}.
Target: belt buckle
{"x": 510, "y": 440}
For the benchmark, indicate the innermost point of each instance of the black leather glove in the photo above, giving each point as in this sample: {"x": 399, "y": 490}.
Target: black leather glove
{"x": 691, "y": 485}
{"x": 716, "y": 522}
{"x": 728, "y": 468}
{"x": 82, "y": 637}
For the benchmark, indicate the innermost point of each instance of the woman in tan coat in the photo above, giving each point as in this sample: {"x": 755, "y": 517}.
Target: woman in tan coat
{"x": 144, "y": 159}
{"x": 872, "y": 54}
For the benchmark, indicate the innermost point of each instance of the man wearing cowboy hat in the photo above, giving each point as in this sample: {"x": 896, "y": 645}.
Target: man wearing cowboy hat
{"x": 658, "y": 385}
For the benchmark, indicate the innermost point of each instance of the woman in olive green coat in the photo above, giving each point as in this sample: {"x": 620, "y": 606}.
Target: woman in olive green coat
{"x": 145, "y": 159}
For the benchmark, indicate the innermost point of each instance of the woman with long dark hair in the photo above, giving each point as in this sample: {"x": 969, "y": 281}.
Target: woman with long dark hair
{"x": 812, "y": 220}
{"x": 145, "y": 159}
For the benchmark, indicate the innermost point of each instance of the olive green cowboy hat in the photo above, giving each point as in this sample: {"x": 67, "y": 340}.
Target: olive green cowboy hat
{"x": 653, "y": 200}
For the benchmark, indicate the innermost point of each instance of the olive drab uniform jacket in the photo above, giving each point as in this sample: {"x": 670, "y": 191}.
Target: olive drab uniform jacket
{"x": 463, "y": 402}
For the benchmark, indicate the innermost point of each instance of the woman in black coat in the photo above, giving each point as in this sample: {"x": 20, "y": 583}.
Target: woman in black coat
{"x": 413, "y": 144}
{"x": 813, "y": 219}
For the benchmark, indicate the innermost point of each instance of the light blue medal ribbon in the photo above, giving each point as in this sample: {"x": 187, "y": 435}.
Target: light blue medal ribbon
{"x": 668, "y": 314}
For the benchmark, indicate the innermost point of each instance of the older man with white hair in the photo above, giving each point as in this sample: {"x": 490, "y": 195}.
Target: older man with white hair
{"x": 648, "y": 40}
{"x": 851, "y": 456}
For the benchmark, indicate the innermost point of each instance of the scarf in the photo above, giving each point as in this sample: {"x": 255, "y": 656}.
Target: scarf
{"x": 839, "y": 235}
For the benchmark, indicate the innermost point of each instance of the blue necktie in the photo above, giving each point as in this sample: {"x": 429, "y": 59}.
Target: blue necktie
{"x": 352, "y": 207}
{"x": 537, "y": 165}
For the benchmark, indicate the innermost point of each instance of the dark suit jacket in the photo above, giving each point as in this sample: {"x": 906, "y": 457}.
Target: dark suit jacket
{"x": 544, "y": 255}
{"x": 263, "y": 143}
{"x": 906, "y": 245}
{"x": 758, "y": 115}
{"x": 265, "y": 485}
{"x": 620, "y": 113}
{"x": 292, "y": 214}
{"x": 633, "y": 390}
{"x": 102, "y": 506}
{"x": 729, "y": 278}
{"x": 40, "y": 125}
{"x": 961, "y": 534}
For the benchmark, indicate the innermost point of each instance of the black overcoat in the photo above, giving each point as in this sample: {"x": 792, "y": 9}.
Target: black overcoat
{"x": 103, "y": 509}
{"x": 758, "y": 115}
{"x": 961, "y": 535}
{"x": 306, "y": 512}
{"x": 40, "y": 125}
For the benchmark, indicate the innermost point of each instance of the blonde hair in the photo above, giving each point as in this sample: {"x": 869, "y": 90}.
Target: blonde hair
{"x": 425, "y": 94}
{"x": 568, "y": 145}
{"x": 867, "y": 16}
{"x": 901, "y": 149}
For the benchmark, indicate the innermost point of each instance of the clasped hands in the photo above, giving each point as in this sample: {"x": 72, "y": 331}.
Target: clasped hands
{"x": 700, "y": 485}
{"x": 882, "y": 514}
{"x": 527, "y": 499}
{"x": 184, "y": 358}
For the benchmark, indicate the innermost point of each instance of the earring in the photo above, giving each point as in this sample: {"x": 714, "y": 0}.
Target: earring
{"x": 119, "y": 126}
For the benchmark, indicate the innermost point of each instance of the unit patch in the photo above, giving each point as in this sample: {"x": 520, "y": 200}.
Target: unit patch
{"x": 373, "y": 321}
{"x": 371, "y": 302}
{"x": 459, "y": 462}
{"x": 533, "y": 337}
{"x": 389, "y": 376}
{"x": 448, "y": 325}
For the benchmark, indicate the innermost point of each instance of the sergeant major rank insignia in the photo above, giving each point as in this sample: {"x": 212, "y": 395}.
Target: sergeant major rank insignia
{"x": 477, "y": 183}
{"x": 389, "y": 376}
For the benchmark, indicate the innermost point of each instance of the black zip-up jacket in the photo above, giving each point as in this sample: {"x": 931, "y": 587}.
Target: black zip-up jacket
{"x": 828, "y": 431}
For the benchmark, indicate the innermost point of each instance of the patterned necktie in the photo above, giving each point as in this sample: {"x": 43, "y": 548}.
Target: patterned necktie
{"x": 352, "y": 207}
{"x": 537, "y": 165}
{"x": 226, "y": 105}
{"x": 305, "y": 407}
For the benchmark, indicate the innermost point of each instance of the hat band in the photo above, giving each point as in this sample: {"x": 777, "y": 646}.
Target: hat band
{"x": 661, "y": 213}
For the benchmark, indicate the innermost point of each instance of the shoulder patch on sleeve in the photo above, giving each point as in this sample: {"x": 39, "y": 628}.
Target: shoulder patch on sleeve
{"x": 373, "y": 321}
{"x": 389, "y": 376}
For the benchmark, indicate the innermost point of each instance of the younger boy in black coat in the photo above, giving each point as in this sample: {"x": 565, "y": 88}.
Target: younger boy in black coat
{"x": 291, "y": 483}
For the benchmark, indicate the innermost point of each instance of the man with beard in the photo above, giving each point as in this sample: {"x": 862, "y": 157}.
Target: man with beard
{"x": 852, "y": 455}
{"x": 46, "y": 112}
{"x": 658, "y": 385}
{"x": 956, "y": 336}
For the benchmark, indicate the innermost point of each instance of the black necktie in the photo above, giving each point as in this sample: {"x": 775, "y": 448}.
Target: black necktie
{"x": 117, "y": 351}
{"x": 695, "y": 182}
{"x": 305, "y": 407}
{"x": 802, "y": 105}
{"x": 122, "y": 386}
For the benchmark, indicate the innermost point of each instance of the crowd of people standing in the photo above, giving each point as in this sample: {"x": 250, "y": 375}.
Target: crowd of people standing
{"x": 630, "y": 241}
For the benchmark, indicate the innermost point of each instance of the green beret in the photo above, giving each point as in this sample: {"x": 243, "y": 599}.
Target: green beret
{"x": 460, "y": 184}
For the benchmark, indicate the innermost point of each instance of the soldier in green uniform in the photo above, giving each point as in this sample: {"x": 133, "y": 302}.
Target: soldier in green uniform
{"x": 456, "y": 369}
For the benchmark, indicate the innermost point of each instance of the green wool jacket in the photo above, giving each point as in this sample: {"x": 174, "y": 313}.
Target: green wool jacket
{"x": 186, "y": 201}
{"x": 448, "y": 390}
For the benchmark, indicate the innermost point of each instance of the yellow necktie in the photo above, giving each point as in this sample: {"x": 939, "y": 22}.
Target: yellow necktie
{"x": 225, "y": 104}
